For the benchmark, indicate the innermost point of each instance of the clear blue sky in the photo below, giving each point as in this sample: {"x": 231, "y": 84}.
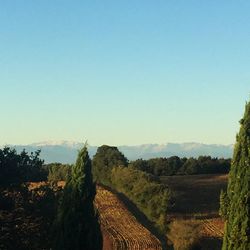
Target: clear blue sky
{"x": 123, "y": 72}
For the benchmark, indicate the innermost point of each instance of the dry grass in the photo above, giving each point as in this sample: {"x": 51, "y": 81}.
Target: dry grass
{"x": 196, "y": 194}
{"x": 185, "y": 235}
{"x": 196, "y": 201}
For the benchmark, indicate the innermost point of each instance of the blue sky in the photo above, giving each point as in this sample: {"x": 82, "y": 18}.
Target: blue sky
{"x": 123, "y": 72}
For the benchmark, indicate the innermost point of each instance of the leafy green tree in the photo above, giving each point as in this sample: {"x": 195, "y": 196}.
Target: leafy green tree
{"x": 191, "y": 166}
{"x": 18, "y": 168}
{"x": 175, "y": 163}
{"x": 58, "y": 171}
{"x": 105, "y": 159}
{"x": 237, "y": 229}
{"x": 142, "y": 165}
{"x": 76, "y": 225}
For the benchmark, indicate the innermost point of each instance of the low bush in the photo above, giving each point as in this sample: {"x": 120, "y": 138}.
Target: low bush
{"x": 58, "y": 172}
{"x": 184, "y": 235}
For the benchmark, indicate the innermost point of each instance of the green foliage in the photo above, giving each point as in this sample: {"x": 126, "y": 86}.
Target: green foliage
{"x": 223, "y": 205}
{"x": 184, "y": 235}
{"x": 104, "y": 160}
{"x": 18, "y": 168}
{"x": 58, "y": 172}
{"x": 150, "y": 196}
{"x": 182, "y": 166}
{"x": 77, "y": 226}
{"x": 237, "y": 229}
{"x": 159, "y": 166}
{"x": 190, "y": 166}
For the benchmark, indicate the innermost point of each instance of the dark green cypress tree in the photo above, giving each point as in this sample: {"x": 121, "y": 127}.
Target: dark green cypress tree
{"x": 76, "y": 225}
{"x": 237, "y": 228}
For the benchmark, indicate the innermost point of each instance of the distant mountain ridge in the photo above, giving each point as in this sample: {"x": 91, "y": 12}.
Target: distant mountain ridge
{"x": 66, "y": 151}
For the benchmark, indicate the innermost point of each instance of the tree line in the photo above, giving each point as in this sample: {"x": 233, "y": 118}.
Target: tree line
{"x": 22, "y": 167}
{"x": 175, "y": 165}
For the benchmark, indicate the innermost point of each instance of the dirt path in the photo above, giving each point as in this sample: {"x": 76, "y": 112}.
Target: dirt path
{"x": 120, "y": 228}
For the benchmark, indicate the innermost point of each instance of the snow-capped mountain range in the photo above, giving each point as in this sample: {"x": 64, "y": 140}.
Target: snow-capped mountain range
{"x": 66, "y": 151}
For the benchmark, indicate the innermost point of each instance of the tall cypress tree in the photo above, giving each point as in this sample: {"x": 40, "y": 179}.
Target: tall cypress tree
{"x": 76, "y": 225}
{"x": 237, "y": 228}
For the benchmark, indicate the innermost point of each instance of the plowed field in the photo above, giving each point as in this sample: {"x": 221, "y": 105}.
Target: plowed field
{"x": 120, "y": 226}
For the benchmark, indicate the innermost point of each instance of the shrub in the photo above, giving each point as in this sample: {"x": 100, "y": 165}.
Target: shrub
{"x": 58, "y": 172}
{"x": 150, "y": 196}
{"x": 184, "y": 235}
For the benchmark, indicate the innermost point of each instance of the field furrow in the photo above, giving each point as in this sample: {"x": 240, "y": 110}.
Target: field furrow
{"x": 213, "y": 227}
{"x": 121, "y": 226}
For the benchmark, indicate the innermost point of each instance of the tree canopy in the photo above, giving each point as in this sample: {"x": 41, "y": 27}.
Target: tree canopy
{"x": 182, "y": 166}
{"x": 16, "y": 168}
{"x": 105, "y": 159}
{"x": 58, "y": 171}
